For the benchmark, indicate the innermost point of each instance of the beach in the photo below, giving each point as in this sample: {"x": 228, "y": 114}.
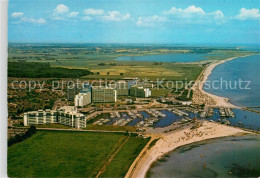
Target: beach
{"x": 202, "y": 97}
{"x": 169, "y": 141}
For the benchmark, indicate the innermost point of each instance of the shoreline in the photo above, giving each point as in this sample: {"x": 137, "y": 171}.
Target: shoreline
{"x": 197, "y": 142}
{"x": 211, "y": 99}
{"x": 170, "y": 141}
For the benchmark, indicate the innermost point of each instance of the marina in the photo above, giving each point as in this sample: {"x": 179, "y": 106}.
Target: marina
{"x": 165, "y": 117}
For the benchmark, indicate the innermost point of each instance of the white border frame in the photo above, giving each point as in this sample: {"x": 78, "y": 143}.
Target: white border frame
{"x": 3, "y": 86}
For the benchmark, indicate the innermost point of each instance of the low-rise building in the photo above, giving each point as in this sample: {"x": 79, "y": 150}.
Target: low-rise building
{"x": 66, "y": 115}
{"x": 102, "y": 94}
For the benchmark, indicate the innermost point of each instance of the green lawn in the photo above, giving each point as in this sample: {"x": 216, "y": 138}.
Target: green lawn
{"x": 122, "y": 161}
{"x": 72, "y": 154}
{"x": 110, "y": 128}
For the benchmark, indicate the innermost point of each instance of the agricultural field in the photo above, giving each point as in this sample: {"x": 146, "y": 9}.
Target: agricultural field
{"x": 101, "y": 61}
{"x": 78, "y": 154}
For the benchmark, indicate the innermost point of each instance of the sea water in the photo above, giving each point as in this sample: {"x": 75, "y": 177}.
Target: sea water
{"x": 245, "y": 69}
{"x": 224, "y": 157}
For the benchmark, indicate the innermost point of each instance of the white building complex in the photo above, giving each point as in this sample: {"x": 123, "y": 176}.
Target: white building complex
{"x": 66, "y": 115}
{"x": 82, "y": 99}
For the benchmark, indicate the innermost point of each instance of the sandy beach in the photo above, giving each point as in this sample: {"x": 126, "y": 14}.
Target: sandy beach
{"x": 202, "y": 97}
{"x": 170, "y": 141}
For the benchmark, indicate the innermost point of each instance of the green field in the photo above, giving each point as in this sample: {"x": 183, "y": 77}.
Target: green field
{"x": 73, "y": 154}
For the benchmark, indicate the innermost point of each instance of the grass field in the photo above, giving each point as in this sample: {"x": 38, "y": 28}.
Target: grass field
{"x": 73, "y": 154}
{"x": 111, "y": 128}
{"x": 169, "y": 71}
{"x": 92, "y": 127}
{"x": 122, "y": 161}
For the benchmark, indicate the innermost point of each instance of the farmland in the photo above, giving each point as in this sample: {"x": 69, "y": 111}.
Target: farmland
{"x": 101, "y": 59}
{"x": 78, "y": 154}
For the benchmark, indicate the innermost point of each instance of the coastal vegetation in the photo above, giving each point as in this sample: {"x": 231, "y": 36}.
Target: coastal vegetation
{"x": 77, "y": 154}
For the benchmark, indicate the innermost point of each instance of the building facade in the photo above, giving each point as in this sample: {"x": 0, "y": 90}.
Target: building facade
{"x": 66, "y": 115}
{"x": 72, "y": 92}
{"x": 104, "y": 94}
{"x": 140, "y": 92}
{"x": 82, "y": 99}
{"x": 121, "y": 87}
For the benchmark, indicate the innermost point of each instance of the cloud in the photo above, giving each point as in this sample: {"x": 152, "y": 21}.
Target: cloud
{"x": 218, "y": 14}
{"x": 150, "y": 21}
{"x": 193, "y": 15}
{"x": 94, "y": 12}
{"x": 245, "y": 14}
{"x": 86, "y": 18}
{"x": 21, "y": 18}
{"x": 62, "y": 12}
{"x": 32, "y": 20}
{"x": 61, "y": 9}
{"x": 73, "y": 14}
{"x": 17, "y": 14}
{"x": 191, "y": 10}
{"x": 100, "y": 14}
{"x": 116, "y": 16}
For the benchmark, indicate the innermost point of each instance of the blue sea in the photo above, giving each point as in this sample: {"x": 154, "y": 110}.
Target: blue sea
{"x": 245, "y": 69}
{"x": 224, "y": 157}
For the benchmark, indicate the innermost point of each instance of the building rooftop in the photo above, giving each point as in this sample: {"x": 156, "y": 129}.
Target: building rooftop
{"x": 102, "y": 87}
{"x": 68, "y": 108}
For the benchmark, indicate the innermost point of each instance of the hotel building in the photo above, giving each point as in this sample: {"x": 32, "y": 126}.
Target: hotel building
{"x": 66, "y": 115}
{"x": 103, "y": 94}
{"x": 121, "y": 87}
{"x": 83, "y": 99}
{"x": 142, "y": 92}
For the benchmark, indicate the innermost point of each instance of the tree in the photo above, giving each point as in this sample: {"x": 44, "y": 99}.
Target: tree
{"x": 108, "y": 73}
{"x": 18, "y": 138}
{"x": 98, "y": 73}
{"x": 121, "y": 73}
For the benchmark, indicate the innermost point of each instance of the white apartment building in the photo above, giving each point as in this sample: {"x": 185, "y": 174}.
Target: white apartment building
{"x": 66, "y": 115}
{"x": 82, "y": 99}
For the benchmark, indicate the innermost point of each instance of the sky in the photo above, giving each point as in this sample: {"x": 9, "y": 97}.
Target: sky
{"x": 135, "y": 21}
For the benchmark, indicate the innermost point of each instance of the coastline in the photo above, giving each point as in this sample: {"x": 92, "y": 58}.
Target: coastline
{"x": 209, "y": 130}
{"x": 169, "y": 141}
{"x": 208, "y": 98}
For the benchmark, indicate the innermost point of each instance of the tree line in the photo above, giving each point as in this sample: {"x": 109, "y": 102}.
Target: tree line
{"x": 20, "y": 137}
{"x": 42, "y": 70}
